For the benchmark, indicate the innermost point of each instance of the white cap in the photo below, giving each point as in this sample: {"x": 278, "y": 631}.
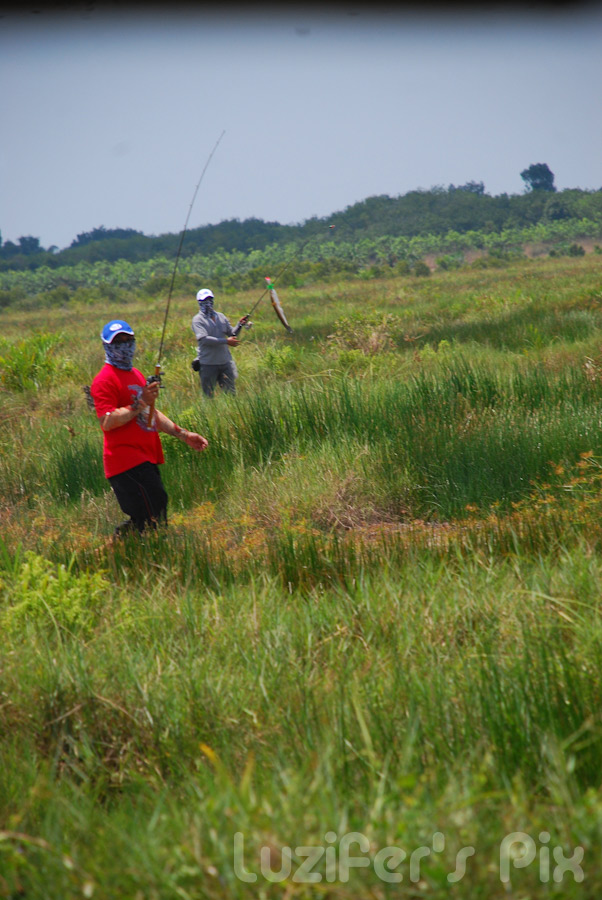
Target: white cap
{"x": 204, "y": 295}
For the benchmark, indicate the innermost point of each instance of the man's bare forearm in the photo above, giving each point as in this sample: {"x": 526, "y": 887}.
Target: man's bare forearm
{"x": 166, "y": 425}
{"x": 194, "y": 440}
{"x": 118, "y": 417}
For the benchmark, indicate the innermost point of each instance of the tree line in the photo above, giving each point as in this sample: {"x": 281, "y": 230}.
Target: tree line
{"x": 435, "y": 211}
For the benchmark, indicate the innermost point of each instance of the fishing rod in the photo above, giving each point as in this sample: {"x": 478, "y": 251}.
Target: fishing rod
{"x": 157, "y": 375}
{"x": 270, "y": 288}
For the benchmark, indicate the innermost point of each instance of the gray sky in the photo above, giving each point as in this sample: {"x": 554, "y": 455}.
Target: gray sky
{"x": 108, "y": 114}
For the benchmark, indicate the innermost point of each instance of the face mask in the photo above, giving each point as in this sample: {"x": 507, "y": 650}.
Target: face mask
{"x": 120, "y": 355}
{"x": 206, "y": 306}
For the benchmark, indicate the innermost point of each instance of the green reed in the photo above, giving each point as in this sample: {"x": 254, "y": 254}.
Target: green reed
{"x": 440, "y": 680}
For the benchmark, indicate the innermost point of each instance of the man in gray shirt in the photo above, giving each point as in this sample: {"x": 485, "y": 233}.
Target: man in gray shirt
{"x": 215, "y": 336}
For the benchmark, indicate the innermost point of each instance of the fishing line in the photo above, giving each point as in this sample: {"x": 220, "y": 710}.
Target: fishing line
{"x": 173, "y": 276}
{"x": 157, "y": 375}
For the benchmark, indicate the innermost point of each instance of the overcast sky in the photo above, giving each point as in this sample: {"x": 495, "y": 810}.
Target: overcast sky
{"x": 108, "y": 114}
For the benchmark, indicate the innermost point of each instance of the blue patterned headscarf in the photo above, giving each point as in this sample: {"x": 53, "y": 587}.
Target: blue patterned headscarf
{"x": 120, "y": 355}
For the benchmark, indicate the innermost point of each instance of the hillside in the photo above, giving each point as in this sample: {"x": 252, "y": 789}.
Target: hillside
{"x": 435, "y": 212}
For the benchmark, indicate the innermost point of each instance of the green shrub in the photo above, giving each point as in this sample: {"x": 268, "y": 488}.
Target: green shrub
{"x": 353, "y": 360}
{"x": 9, "y": 297}
{"x": 29, "y": 364}
{"x": 278, "y": 359}
{"x": 158, "y": 285}
{"x": 372, "y": 272}
{"x": 567, "y": 250}
{"x": 421, "y": 269}
{"x": 449, "y": 262}
{"x": 402, "y": 267}
{"x": 41, "y": 592}
{"x": 58, "y": 296}
{"x": 368, "y": 332}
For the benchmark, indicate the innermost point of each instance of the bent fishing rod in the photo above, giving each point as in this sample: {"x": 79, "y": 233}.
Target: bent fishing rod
{"x": 157, "y": 375}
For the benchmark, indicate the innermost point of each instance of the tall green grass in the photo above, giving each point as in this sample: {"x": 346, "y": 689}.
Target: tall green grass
{"x": 417, "y": 681}
{"x": 376, "y": 607}
{"x": 462, "y": 435}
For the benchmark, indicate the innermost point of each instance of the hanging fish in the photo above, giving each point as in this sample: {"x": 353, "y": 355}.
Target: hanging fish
{"x": 276, "y": 304}
{"x": 270, "y": 287}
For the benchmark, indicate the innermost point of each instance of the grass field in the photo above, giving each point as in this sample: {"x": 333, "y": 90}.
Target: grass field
{"x": 373, "y": 627}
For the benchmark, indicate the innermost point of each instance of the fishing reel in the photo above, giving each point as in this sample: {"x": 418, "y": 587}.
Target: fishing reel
{"x": 154, "y": 379}
{"x": 244, "y": 323}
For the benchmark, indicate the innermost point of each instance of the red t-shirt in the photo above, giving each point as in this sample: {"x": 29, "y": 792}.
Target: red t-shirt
{"x": 132, "y": 443}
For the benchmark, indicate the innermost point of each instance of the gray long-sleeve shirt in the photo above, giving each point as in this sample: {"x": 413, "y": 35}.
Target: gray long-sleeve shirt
{"x": 212, "y": 333}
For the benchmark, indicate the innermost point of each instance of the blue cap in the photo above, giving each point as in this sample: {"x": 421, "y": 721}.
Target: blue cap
{"x": 117, "y": 326}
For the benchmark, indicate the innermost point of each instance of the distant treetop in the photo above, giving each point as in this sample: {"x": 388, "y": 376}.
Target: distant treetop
{"x": 538, "y": 177}
{"x": 102, "y": 234}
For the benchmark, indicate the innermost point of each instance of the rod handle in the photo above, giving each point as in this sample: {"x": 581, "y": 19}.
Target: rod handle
{"x": 151, "y": 408}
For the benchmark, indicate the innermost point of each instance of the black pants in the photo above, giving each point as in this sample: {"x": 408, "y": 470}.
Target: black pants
{"x": 224, "y": 375}
{"x": 141, "y": 496}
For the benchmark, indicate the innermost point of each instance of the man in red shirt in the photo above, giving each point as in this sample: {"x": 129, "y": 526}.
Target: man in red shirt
{"x": 132, "y": 449}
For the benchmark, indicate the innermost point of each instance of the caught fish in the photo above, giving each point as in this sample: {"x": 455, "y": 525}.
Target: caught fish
{"x": 276, "y": 304}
